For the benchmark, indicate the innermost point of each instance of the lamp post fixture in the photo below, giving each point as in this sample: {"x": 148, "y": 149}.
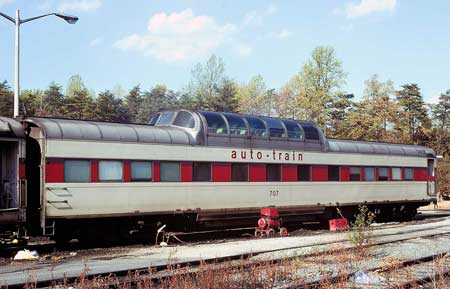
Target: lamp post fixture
{"x": 17, "y": 21}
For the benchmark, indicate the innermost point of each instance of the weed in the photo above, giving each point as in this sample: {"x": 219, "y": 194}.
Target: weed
{"x": 360, "y": 230}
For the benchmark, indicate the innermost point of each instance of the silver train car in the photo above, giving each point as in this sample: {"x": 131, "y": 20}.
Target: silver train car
{"x": 193, "y": 170}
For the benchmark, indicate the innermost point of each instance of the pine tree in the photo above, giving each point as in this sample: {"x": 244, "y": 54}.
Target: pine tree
{"x": 414, "y": 118}
{"x": 133, "y": 103}
{"x": 54, "y": 101}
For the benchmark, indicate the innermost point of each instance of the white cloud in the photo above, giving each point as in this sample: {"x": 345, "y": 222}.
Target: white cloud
{"x": 243, "y": 50}
{"x": 366, "y": 7}
{"x": 283, "y": 34}
{"x": 96, "y": 41}
{"x": 5, "y": 2}
{"x": 178, "y": 36}
{"x": 80, "y": 5}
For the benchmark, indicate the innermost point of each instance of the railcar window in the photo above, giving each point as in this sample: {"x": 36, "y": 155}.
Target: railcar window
{"x": 333, "y": 173}
{"x": 409, "y": 174}
{"x": 110, "y": 171}
{"x": 310, "y": 131}
{"x": 154, "y": 119}
{"x": 77, "y": 171}
{"x": 166, "y": 118}
{"x": 369, "y": 174}
{"x": 169, "y": 171}
{"x": 294, "y": 130}
{"x": 396, "y": 174}
{"x": 304, "y": 173}
{"x": 141, "y": 171}
{"x": 201, "y": 172}
{"x": 237, "y": 124}
{"x": 184, "y": 119}
{"x": 216, "y": 123}
{"x": 276, "y": 128}
{"x": 355, "y": 174}
{"x": 273, "y": 173}
{"x": 239, "y": 172}
{"x": 257, "y": 126}
{"x": 383, "y": 174}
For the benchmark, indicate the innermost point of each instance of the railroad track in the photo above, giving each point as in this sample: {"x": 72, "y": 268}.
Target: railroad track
{"x": 230, "y": 263}
{"x": 426, "y": 271}
{"x": 50, "y": 246}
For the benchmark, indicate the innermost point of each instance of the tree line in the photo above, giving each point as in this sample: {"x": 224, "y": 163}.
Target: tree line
{"x": 316, "y": 93}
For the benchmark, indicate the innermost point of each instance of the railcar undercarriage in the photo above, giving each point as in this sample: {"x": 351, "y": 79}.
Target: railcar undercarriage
{"x": 143, "y": 228}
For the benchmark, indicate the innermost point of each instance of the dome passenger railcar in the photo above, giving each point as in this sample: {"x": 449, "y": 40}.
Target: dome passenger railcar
{"x": 198, "y": 169}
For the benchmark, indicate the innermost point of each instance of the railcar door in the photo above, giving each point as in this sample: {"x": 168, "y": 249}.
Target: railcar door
{"x": 431, "y": 183}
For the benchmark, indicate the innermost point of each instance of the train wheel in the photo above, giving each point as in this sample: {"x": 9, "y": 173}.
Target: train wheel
{"x": 258, "y": 233}
{"x": 271, "y": 233}
{"x": 284, "y": 232}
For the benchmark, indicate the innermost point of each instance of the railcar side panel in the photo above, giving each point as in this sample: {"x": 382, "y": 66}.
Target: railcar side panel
{"x": 109, "y": 199}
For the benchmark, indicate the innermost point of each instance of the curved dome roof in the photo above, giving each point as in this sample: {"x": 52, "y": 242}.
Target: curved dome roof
{"x": 362, "y": 147}
{"x": 11, "y": 128}
{"x": 106, "y": 131}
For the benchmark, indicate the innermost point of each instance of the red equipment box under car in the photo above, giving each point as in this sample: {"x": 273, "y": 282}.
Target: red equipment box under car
{"x": 338, "y": 224}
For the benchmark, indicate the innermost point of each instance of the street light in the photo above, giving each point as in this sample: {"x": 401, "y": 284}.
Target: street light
{"x": 17, "y": 21}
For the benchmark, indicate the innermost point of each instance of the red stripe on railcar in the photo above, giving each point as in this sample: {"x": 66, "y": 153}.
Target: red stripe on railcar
{"x": 94, "y": 171}
{"x": 420, "y": 174}
{"x": 54, "y": 171}
{"x": 126, "y": 171}
{"x": 345, "y": 174}
{"x": 186, "y": 171}
{"x": 363, "y": 174}
{"x": 377, "y": 175}
{"x": 221, "y": 172}
{"x": 257, "y": 173}
{"x": 320, "y": 173}
{"x": 389, "y": 174}
{"x": 288, "y": 173}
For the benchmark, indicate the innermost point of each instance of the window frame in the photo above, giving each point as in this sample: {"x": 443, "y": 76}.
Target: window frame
{"x": 79, "y": 160}
{"x": 279, "y": 173}
{"x": 112, "y": 180}
{"x": 141, "y": 179}
{"x": 412, "y": 174}
{"x": 350, "y": 173}
{"x": 161, "y": 164}
{"x": 379, "y": 175}
{"x": 309, "y": 167}
{"x": 392, "y": 172}
{"x": 193, "y": 171}
{"x": 338, "y": 173}
{"x": 240, "y": 164}
{"x": 374, "y": 174}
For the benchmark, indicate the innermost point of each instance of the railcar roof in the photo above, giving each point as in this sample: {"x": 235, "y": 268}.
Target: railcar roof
{"x": 350, "y": 146}
{"x": 11, "y": 128}
{"x": 106, "y": 131}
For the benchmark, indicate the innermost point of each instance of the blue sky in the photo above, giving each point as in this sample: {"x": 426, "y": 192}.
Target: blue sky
{"x": 150, "y": 42}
